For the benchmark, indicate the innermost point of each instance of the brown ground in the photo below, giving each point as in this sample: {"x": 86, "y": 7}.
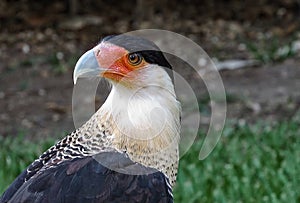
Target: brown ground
{"x": 38, "y": 53}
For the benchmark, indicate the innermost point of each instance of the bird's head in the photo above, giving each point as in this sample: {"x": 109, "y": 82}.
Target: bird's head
{"x": 133, "y": 62}
{"x": 142, "y": 103}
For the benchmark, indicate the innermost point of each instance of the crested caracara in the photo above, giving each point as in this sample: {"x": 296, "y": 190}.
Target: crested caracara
{"x": 128, "y": 150}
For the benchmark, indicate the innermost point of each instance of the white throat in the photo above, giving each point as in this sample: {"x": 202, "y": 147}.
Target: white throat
{"x": 145, "y": 118}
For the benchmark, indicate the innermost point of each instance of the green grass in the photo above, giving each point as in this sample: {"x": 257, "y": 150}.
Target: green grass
{"x": 250, "y": 164}
{"x": 259, "y": 163}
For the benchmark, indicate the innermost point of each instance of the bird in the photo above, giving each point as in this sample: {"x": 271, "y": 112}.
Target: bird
{"x": 128, "y": 151}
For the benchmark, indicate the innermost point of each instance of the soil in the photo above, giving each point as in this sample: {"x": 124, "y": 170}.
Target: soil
{"x": 38, "y": 53}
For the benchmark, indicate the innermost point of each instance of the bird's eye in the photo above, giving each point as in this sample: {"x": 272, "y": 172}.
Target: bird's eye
{"x": 135, "y": 59}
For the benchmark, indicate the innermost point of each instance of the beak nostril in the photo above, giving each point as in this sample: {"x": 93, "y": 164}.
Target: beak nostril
{"x": 98, "y": 52}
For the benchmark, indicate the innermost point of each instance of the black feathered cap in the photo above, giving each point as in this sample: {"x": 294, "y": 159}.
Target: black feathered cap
{"x": 150, "y": 52}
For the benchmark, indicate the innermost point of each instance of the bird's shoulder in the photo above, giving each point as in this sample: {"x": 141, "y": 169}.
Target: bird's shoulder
{"x": 105, "y": 177}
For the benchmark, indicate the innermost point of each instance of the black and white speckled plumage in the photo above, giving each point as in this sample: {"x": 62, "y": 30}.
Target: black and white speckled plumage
{"x": 97, "y": 175}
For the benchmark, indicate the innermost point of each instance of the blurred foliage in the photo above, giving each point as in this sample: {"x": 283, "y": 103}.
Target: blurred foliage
{"x": 269, "y": 50}
{"x": 259, "y": 163}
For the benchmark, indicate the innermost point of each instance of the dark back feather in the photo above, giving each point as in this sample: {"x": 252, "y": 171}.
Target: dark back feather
{"x": 91, "y": 179}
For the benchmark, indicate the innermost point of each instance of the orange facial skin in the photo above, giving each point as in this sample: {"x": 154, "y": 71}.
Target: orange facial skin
{"x": 116, "y": 60}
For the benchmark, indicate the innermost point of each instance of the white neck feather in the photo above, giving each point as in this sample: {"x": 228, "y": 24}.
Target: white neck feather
{"x": 146, "y": 118}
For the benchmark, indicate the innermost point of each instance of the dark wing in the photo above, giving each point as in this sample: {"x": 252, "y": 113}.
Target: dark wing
{"x": 115, "y": 179}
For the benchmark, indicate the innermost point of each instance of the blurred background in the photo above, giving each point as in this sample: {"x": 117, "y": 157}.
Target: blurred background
{"x": 255, "y": 46}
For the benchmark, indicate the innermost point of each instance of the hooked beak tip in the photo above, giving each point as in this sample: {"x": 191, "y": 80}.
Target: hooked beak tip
{"x": 86, "y": 66}
{"x": 74, "y": 80}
